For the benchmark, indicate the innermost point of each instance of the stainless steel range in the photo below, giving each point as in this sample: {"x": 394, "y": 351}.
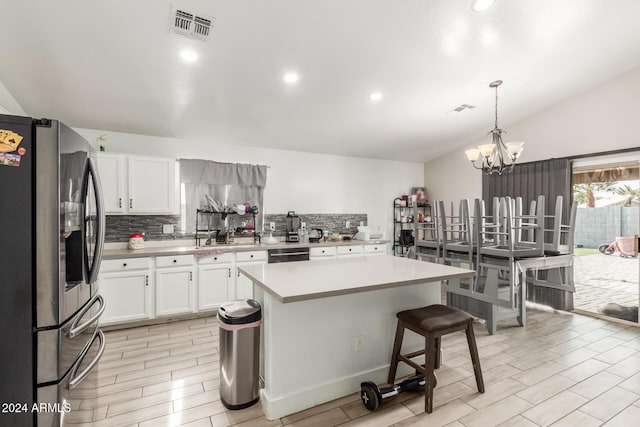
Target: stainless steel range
{"x": 52, "y": 225}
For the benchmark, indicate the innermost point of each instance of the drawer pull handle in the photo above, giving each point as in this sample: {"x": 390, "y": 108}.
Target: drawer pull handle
{"x": 215, "y": 258}
{"x": 349, "y": 249}
{"x": 322, "y": 251}
{"x": 251, "y": 256}
{"x": 175, "y": 260}
{"x": 120, "y": 202}
{"x": 124, "y": 264}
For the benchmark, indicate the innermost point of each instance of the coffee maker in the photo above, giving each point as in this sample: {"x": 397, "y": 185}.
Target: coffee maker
{"x": 293, "y": 224}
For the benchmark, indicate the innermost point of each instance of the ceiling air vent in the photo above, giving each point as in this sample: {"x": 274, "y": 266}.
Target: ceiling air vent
{"x": 191, "y": 25}
{"x": 461, "y": 109}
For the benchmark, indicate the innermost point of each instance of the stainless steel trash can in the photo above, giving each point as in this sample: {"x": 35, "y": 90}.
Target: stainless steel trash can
{"x": 239, "y": 323}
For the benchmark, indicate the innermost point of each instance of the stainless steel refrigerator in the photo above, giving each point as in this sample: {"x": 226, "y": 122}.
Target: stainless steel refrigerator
{"x": 51, "y": 240}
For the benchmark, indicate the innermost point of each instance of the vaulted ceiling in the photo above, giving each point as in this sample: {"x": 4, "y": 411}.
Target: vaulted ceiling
{"x": 116, "y": 65}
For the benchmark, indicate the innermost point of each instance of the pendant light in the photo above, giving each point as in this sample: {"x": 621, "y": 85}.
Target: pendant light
{"x": 495, "y": 157}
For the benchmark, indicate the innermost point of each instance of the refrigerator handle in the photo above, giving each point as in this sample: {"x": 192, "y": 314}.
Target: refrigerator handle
{"x": 100, "y": 223}
{"x": 75, "y": 329}
{"x": 77, "y": 379}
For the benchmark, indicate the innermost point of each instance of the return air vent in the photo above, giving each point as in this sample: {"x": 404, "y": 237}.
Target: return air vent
{"x": 463, "y": 107}
{"x": 191, "y": 25}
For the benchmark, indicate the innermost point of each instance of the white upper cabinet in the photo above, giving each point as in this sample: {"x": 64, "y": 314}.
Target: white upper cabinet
{"x": 112, "y": 176}
{"x": 138, "y": 185}
{"x": 151, "y": 185}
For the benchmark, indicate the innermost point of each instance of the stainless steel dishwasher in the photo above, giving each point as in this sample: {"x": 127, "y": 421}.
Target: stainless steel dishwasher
{"x": 288, "y": 254}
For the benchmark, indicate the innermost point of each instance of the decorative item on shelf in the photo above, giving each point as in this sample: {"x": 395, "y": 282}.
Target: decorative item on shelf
{"x": 420, "y": 195}
{"x": 496, "y": 157}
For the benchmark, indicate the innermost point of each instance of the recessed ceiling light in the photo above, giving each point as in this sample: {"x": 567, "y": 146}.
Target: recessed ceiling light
{"x": 189, "y": 55}
{"x": 481, "y": 5}
{"x": 291, "y": 78}
{"x": 375, "y": 96}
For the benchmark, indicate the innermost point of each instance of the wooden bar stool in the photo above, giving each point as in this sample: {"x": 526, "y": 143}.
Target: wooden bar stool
{"x": 432, "y": 322}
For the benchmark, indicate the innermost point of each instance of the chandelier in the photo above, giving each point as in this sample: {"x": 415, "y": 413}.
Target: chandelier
{"x": 495, "y": 157}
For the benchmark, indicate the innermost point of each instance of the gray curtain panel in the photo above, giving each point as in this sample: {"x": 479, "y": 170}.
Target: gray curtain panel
{"x": 528, "y": 180}
{"x": 551, "y": 178}
{"x": 228, "y": 183}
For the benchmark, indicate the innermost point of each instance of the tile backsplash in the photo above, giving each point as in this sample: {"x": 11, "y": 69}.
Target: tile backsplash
{"x": 119, "y": 227}
{"x": 327, "y": 222}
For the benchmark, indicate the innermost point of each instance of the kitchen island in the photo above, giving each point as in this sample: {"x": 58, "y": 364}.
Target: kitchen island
{"x": 329, "y": 325}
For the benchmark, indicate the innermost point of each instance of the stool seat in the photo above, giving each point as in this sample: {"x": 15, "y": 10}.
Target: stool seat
{"x": 432, "y": 322}
{"x": 435, "y": 318}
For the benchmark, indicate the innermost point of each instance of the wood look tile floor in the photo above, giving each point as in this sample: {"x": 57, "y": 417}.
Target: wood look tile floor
{"x": 562, "y": 369}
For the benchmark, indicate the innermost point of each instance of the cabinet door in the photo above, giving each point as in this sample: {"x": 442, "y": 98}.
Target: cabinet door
{"x": 151, "y": 185}
{"x": 173, "y": 291}
{"x": 350, "y": 250}
{"x": 370, "y": 250}
{"x": 325, "y": 252}
{"x": 214, "y": 285}
{"x": 112, "y": 176}
{"x": 126, "y": 296}
{"x": 244, "y": 285}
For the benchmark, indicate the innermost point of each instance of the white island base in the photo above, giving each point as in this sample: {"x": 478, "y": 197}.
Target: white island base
{"x": 310, "y": 352}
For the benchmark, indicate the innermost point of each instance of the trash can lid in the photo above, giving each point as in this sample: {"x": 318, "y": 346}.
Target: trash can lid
{"x": 240, "y": 312}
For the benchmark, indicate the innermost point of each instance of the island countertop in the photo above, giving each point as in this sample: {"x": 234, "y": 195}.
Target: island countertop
{"x": 301, "y": 281}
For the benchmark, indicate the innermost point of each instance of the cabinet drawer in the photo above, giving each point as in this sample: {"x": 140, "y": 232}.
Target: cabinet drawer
{"x": 251, "y": 256}
{"x": 174, "y": 261}
{"x": 350, "y": 250}
{"x": 328, "y": 251}
{"x": 370, "y": 249}
{"x": 124, "y": 264}
{"x": 217, "y": 259}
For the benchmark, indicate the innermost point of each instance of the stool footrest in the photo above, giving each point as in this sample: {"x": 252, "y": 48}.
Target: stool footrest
{"x": 413, "y": 364}
{"x": 414, "y": 354}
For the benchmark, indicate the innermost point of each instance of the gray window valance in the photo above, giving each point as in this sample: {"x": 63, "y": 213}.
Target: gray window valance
{"x": 194, "y": 171}
{"x": 228, "y": 183}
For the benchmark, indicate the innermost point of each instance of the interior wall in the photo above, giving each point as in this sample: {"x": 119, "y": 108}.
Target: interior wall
{"x": 8, "y": 102}
{"x": 604, "y": 118}
{"x": 297, "y": 181}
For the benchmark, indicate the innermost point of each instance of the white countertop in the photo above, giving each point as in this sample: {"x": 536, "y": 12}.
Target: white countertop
{"x": 177, "y": 247}
{"x": 300, "y": 281}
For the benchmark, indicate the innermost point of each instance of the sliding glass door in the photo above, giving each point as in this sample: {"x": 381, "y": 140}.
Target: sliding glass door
{"x": 606, "y": 268}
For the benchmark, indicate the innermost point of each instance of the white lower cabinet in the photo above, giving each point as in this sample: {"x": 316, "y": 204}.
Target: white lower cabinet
{"x": 134, "y": 291}
{"x": 375, "y": 249}
{"x": 174, "y": 285}
{"x": 126, "y": 286}
{"x": 215, "y": 281}
{"x": 350, "y": 250}
{"x": 325, "y": 252}
{"x": 244, "y": 286}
